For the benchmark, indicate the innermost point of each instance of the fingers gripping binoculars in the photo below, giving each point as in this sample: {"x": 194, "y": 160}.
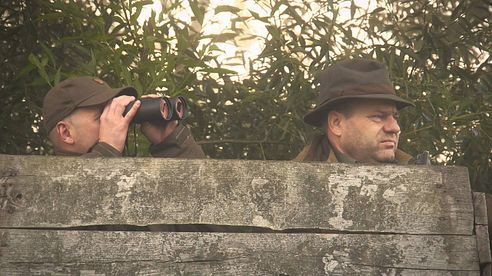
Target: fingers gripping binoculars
{"x": 159, "y": 109}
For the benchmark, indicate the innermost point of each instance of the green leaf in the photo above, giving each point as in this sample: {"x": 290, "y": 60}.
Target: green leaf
{"x": 274, "y": 31}
{"x": 223, "y": 37}
{"x": 192, "y": 63}
{"x": 214, "y": 47}
{"x": 258, "y": 17}
{"x": 44, "y": 62}
{"x": 56, "y": 80}
{"x": 277, "y": 5}
{"x": 48, "y": 52}
{"x": 42, "y": 72}
{"x": 197, "y": 11}
{"x": 292, "y": 12}
{"x": 34, "y": 60}
{"x": 226, "y": 8}
{"x": 141, "y": 3}
{"x": 376, "y": 10}
{"x": 118, "y": 30}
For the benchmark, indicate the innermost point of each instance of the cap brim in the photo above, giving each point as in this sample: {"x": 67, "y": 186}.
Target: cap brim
{"x": 107, "y": 95}
{"x": 315, "y": 117}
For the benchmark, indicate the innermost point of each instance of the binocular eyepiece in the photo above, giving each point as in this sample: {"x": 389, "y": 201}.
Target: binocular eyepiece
{"x": 159, "y": 109}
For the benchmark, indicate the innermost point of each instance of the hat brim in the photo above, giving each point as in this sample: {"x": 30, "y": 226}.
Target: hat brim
{"x": 107, "y": 95}
{"x": 315, "y": 117}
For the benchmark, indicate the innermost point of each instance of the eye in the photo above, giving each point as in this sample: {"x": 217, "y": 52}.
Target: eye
{"x": 377, "y": 118}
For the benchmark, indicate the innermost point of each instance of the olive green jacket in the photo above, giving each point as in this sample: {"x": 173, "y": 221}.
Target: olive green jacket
{"x": 179, "y": 144}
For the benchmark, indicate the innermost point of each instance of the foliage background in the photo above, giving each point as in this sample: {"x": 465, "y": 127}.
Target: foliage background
{"x": 438, "y": 53}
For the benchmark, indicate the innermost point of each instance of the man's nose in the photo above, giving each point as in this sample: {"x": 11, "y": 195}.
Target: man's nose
{"x": 391, "y": 125}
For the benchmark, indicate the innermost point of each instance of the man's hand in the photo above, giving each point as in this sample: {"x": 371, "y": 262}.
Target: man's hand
{"x": 157, "y": 132}
{"x": 114, "y": 127}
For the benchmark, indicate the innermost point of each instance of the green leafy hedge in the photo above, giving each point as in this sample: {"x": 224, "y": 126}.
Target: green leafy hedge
{"x": 438, "y": 53}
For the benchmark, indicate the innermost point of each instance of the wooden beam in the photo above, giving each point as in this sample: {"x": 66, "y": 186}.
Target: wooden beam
{"x": 480, "y": 208}
{"x": 46, "y": 191}
{"x": 483, "y": 210}
{"x": 33, "y": 252}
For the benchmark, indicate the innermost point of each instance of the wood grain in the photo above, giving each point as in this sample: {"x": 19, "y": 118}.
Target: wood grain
{"x": 49, "y": 252}
{"x": 480, "y": 208}
{"x": 53, "y": 192}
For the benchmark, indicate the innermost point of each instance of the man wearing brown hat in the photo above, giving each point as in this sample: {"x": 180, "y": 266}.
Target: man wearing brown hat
{"x": 84, "y": 116}
{"x": 358, "y": 110}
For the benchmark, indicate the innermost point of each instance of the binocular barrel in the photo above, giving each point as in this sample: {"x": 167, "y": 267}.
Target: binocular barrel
{"x": 159, "y": 109}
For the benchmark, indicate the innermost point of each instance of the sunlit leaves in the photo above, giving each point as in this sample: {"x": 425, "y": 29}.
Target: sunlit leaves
{"x": 438, "y": 54}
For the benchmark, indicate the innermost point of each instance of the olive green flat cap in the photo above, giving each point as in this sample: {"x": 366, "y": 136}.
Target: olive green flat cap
{"x": 73, "y": 93}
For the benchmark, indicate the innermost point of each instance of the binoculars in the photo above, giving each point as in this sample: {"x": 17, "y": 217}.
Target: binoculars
{"x": 159, "y": 109}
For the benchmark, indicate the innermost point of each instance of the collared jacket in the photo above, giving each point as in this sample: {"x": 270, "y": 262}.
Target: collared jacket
{"x": 319, "y": 149}
{"x": 179, "y": 144}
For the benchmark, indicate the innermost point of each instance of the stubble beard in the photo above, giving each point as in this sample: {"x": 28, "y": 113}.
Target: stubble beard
{"x": 386, "y": 156}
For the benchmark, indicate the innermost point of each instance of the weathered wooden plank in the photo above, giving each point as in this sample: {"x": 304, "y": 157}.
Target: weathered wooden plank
{"x": 150, "y": 253}
{"x": 488, "y": 201}
{"x": 483, "y": 244}
{"x": 201, "y": 268}
{"x": 482, "y": 222}
{"x": 480, "y": 208}
{"x": 68, "y": 191}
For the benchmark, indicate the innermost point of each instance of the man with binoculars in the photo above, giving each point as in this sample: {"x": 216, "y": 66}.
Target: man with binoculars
{"x": 84, "y": 116}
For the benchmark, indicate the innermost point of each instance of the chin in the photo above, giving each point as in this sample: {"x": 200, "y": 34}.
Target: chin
{"x": 386, "y": 157}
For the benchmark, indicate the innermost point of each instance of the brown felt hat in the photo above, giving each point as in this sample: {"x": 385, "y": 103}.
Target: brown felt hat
{"x": 72, "y": 93}
{"x": 353, "y": 79}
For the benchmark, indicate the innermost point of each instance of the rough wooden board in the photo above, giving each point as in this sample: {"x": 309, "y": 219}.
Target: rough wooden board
{"x": 202, "y": 268}
{"x": 234, "y": 253}
{"x": 482, "y": 221}
{"x": 483, "y": 244}
{"x": 480, "y": 208}
{"x": 71, "y": 191}
{"x": 488, "y": 200}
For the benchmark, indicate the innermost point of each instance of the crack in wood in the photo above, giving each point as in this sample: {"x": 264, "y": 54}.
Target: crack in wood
{"x": 217, "y": 228}
{"x": 210, "y": 260}
{"x": 140, "y": 260}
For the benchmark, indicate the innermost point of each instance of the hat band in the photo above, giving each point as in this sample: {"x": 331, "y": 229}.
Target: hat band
{"x": 357, "y": 90}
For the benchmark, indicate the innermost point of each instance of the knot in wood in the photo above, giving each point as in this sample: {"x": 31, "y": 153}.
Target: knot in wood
{"x": 10, "y": 198}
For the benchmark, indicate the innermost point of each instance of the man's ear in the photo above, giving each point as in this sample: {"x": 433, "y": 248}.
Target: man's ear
{"x": 63, "y": 130}
{"x": 334, "y": 123}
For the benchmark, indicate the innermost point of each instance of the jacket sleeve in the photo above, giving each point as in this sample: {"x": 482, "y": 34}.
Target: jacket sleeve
{"x": 180, "y": 144}
{"x": 101, "y": 149}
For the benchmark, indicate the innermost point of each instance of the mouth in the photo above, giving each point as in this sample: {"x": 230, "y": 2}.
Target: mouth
{"x": 388, "y": 143}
